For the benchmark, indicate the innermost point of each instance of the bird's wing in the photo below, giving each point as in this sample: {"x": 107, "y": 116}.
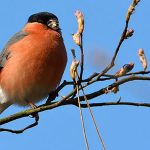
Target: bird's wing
{"x": 4, "y": 55}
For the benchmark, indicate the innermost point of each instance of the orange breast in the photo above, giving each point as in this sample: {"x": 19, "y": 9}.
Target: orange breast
{"x": 35, "y": 66}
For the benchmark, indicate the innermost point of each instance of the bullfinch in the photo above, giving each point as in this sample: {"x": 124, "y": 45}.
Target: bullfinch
{"x": 32, "y": 62}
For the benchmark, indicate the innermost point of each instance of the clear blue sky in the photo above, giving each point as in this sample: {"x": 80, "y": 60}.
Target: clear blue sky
{"x": 122, "y": 127}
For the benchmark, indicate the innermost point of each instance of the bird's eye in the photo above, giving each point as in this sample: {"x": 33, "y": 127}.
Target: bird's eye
{"x": 53, "y": 24}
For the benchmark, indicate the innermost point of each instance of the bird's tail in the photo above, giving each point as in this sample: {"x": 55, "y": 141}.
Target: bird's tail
{"x": 4, "y": 106}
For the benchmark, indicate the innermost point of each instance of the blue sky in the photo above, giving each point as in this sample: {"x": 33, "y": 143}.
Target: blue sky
{"x": 122, "y": 127}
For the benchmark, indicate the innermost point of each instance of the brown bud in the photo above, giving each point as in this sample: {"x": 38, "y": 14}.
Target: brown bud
{"x": 125, "y": 69}
{"x": 129, "y": 13}
{"x": 73, "y": 69}
{"x": 142, "y": 58}
{"x": 129, "y": 33}
{"x": 115, "y": 89}
{"x": 80, "y": 20}
{"x": 77, "y": 38}
{"x": 131, "y": 9}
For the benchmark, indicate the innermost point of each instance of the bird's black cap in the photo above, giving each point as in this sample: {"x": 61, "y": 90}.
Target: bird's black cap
{"x": 42, "y": 17}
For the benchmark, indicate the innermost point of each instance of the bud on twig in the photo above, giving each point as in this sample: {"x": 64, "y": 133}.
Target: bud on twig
{"x": 77, "y": 38}
{"x": 131, "y": 9}
{"x": 80, "y": 20}
{"x": 73, "y": 69}
{"x": 142, "y": 58}
{"x": 125, "y": 69}
{"x": 129, "y": 33}
{"x": 129, "y": 13}
{"x": 115, "y": 89}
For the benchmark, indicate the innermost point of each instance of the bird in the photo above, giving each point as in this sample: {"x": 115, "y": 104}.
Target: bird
{"x": 32, "y": 62}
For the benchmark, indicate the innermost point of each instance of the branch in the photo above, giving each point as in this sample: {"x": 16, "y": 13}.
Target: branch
{"x": 82, "y": 58}
{"x": 21, "y": 130}
{"x": 41, "y": 108}
{"x": 67, "y": 101}
{"x": 102, "y": 91}
{"x": 91, "y": 80}
{"x": 123, "y": 37}
{"x": 116, "y": 103}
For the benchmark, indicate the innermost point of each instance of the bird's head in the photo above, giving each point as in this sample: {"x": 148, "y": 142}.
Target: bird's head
{"x": 46, "y": 18}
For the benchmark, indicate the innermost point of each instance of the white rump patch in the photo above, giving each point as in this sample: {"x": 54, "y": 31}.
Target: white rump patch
{"x": 3, "y": 97}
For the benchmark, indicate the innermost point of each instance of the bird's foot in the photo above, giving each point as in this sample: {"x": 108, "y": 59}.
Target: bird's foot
{"x": 33, "y": 106}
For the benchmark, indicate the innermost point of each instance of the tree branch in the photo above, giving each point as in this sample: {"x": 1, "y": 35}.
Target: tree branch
{"x": 67, "y": 101}
{"x": 95, "y": 77}
{"x": 117, "y": 103}
{"x": 21, "y": 130}
{"x": 123, "y": 37}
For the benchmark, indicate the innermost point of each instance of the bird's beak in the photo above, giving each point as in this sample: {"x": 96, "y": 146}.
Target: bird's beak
{"x": 53, "y": 24}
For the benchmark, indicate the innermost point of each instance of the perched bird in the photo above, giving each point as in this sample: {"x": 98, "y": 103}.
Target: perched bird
{"x": 32, "y": 62}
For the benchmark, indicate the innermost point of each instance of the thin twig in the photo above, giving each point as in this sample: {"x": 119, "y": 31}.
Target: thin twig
{"x": 73, "y": 74}
{"x": 68, "y": 101}
{"x": 102, "y": 91}
{"x": 90, "y": 80}
{"x": 120, "y": 42}
{"x": 93, "y": 118}
{"x": 91, "y": 77}
{"x": 82, "y": 58}
{"x": 21, "y": 130}
{"x": 41, "y": 108}
{"x": 82, "y": 120}
{"x": 137, "y": 104}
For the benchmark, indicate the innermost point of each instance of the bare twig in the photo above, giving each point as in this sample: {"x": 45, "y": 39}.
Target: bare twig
{"x": 93, "y": 118}
{"x": 74, "y": 75}
{"x": 123, "y": 37}
{"x": 21, "y": 130}
{"x": 117, "y": 103}
{"x": 82, "y": 59}
{"x": 41, "y": 108}
{"x": 67, "y": 101}
{"x": 82, "y": 120}
{"x": 91, "y": 78}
